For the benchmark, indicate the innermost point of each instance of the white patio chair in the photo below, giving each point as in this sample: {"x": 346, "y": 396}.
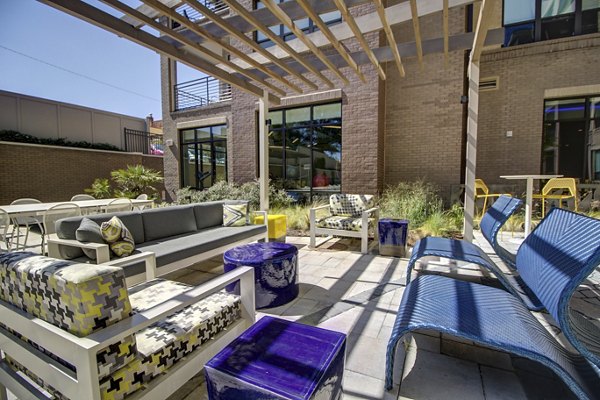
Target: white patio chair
{"x": 119, "y": 205}
{"x": 4, "y": 224}
{"x": 142, "y": 196}
{"x": 82, "y": 197}
{"x": 24, "y": 222}
{"x": 53, "y": 214}
{"x": 349, "y": 215}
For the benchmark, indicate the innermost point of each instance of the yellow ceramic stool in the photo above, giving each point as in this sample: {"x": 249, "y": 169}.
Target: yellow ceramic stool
{"x": 276, "y": 225}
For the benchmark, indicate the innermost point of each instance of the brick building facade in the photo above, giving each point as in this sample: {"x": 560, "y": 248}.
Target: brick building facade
{"x": 404, "y": 129}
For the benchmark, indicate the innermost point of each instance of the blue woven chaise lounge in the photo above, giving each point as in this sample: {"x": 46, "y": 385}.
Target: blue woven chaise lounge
{"x": 461, "y": 250}
{"x": 552, "y": 261}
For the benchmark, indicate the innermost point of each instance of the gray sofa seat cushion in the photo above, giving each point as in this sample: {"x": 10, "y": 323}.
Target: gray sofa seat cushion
{"x": 67, "y": 227}
{"x": 169, "y": 221}
{"x": 208, "y": 214}
{"x": 188, "y": 245}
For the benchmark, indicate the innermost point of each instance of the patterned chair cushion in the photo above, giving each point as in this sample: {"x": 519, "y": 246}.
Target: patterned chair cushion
{"x": 163, "y": 344}
{"x": 349, "y": 205}
{"x": 235, "y": 214}
{"x": 343, "y": 223}
{"x": 92, "y": 297}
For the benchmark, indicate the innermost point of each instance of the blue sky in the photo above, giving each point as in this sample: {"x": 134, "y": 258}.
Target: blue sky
{"x": 130, "y": 73}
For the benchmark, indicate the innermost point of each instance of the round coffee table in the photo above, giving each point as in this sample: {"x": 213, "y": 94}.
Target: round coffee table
{"x": 275, "y": 271}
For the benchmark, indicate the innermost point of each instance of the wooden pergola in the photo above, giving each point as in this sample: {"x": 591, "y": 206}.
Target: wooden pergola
{"x": 271, "y": 73}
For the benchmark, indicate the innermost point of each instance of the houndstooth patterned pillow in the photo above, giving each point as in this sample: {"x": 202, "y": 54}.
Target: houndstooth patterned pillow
{"x": 350, "y": 205}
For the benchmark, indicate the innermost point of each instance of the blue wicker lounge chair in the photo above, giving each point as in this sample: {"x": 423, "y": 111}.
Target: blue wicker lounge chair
{"x": 462, "y": 250}
{"x": 553, "y": 261}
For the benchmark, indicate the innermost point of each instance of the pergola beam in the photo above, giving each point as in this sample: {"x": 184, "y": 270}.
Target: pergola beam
{"x": 415, "y": 20}
{"x": 88, "y": 13}
{"x": 185, "y": 40}
{"x": 221, "y": 43}
{"x": 343, "y": 9}
{"x": 390, "y": 36}
{"x": 483, "y": 22}
{"x": 246, "y": 40}
{"x": 251, "y": 18}
{"x": 287, "y": 21}
{"x": 329, "y": 35}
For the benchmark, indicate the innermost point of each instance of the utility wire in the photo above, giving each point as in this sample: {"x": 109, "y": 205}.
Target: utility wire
{"x": 79, "y": 74}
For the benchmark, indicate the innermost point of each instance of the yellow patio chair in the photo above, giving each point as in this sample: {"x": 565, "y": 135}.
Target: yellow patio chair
{"x": 482, "y": 191}
{"x": 549, "y": 192}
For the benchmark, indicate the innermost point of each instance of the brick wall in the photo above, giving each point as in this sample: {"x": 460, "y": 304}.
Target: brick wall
{"x": 525, "y": 72}
{"x": 51, "y": 173}
{"x": 423, "y": 114}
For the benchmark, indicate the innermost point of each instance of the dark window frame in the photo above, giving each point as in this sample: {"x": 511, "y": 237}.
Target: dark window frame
{"x": 586, "y": 119}
{"x": 198, "y": 156}
{"x": 311, "y": 125}
{"x": 538, "y": 23}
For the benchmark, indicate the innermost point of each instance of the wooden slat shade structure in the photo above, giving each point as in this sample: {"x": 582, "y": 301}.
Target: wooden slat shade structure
{"x": 331, "y": 37}
{"x": 248, "y": 16}
{"x": 287, "y": 21}
{"x": 341, "y": 6}
{"x": 390, "y": 36}
{"x": 269, "y": 74}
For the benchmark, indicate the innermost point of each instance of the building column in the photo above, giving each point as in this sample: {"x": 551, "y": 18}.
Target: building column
{"x": 473, "y": 75}
{"x": 263, "y": 151}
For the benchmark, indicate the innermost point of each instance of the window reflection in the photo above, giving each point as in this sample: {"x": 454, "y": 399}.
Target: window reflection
{"x": 203, "y": 156}
{"x": 305, "y": 147}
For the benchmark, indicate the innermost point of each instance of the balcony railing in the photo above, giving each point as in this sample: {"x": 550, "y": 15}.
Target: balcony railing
{"x": 190, "y": 13}
{"x": 143, "y": 142}
{"x": 200, "y": 93}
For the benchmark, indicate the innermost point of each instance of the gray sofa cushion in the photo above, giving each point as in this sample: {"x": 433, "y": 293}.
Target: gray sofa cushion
{"x": 66, "y": 228}
{"x": 208, "y": 214}
{"x": 169, "y": 221}
{"x": 89, "y": 231}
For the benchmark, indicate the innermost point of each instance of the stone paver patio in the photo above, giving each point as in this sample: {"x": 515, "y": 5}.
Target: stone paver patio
{"x": 343, "y": 290}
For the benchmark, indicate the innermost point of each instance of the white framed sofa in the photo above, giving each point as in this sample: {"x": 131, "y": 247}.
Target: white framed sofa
{"x": 350, "y": 215}
{"x": 77, "y": 332}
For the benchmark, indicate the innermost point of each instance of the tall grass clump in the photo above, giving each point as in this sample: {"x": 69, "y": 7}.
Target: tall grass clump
{"x": 414, "y": 201}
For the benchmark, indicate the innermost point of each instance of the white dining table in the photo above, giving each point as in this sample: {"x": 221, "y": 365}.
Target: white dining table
{"x": 35, "y": 209}
{"x": 529, "y": 194}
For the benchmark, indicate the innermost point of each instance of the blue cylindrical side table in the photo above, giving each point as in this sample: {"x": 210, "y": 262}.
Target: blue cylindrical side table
{"x": 392, "y": 237}
{"x": 275, "y": 271}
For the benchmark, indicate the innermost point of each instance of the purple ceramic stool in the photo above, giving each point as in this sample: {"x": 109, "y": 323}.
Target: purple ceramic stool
{"x": 279, "y": 359}
{"x": 392, "y": 237}
{"x": 275, "y": 271}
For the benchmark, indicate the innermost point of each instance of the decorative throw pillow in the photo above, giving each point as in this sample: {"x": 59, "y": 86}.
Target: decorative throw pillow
{"x": 89, "y": 231}
{"x": 118, "y": 237}
{"x": 235, "y": 214}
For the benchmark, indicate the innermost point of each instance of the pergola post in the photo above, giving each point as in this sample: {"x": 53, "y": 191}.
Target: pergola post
{"x": 471, "y": 162}
{"x": 263, "y": 151}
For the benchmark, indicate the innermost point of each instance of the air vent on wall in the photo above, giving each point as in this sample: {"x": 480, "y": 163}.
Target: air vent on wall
{"x": 487, "y": 84}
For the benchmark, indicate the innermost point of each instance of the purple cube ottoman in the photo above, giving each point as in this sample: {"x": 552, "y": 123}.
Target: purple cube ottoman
{"x": 392, "y": 237}
{"x": 279, "y": 359}
{"x": 275, "y": 271}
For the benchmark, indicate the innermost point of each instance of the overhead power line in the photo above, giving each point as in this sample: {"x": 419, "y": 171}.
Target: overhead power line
{"x": 78, "y": 74}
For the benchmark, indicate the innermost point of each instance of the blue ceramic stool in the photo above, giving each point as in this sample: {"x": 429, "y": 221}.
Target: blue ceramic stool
{"x": 392, "y": 237}
{"x": 279, "y": 359}
{"x": 275, "y": 271}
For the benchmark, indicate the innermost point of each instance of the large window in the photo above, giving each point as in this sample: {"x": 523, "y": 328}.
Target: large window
{"x": 306, "y": 24}
{"x": 571, "y": 142}
{"x": 203, "y": 156}
{"x": 305, "y": 149}
{"x": 527, "y": 21}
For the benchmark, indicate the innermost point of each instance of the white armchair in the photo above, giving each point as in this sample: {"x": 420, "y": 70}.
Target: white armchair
{"x": 349, "y": 215}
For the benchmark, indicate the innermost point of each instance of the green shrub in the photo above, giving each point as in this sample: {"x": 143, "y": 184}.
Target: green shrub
{"x": 414, "y": 201}
{"x": 250, "y": 191}
{"x": 14, "y": 136}
{"x": 437, "y": 224}
{"x": 130, "y": 182}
